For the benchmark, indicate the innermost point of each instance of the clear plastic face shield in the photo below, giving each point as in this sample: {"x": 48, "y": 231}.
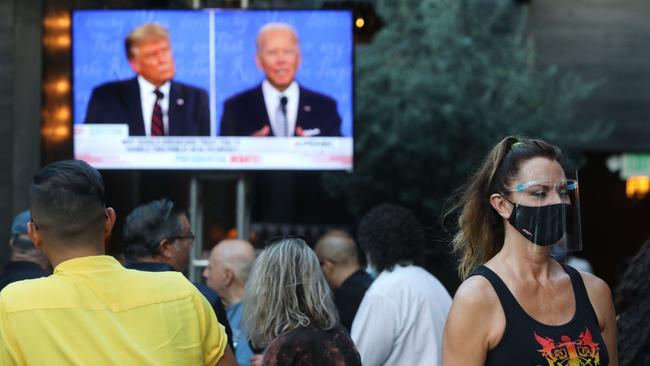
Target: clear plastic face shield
{"x": 546, "y": 211}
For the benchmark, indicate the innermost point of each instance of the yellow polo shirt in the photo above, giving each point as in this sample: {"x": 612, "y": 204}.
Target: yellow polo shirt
{"x": 93, "y": 311}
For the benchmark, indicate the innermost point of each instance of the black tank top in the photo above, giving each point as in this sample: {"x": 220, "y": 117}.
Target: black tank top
{"x": 526, "y": 341}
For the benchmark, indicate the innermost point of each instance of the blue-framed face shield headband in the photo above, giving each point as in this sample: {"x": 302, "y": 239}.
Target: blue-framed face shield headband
{"x": 547, "y": 213}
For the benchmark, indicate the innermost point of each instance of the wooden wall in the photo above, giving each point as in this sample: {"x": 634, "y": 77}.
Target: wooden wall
{"x": 607, "y": 40}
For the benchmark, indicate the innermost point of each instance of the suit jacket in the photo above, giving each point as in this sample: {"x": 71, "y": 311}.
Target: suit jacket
{"x": 119, "y": 102}
{"x": 245, "y": 113}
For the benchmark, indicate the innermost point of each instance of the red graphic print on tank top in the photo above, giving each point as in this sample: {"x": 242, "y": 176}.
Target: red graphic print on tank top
{"x": 581, "y": 352}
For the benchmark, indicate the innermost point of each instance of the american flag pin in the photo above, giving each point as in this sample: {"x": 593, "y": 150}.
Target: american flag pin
{"x": 307, "y": 108}
{"x": 180, "y": 101}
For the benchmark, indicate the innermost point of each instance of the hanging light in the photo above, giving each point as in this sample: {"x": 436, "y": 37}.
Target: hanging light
{"x": 637, "y": 186}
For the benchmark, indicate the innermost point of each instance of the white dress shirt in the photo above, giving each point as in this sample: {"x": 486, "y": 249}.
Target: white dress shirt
{"x": 272, "y": 101}
{"x": 401, "y": 319}
{"x": 148, "y": 98}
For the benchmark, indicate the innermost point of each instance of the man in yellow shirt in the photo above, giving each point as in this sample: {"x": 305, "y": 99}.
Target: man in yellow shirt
{"x": 91, "y": 310}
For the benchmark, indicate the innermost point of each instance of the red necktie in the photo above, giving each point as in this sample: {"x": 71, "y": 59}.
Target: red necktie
{"x": 157, "y": 126}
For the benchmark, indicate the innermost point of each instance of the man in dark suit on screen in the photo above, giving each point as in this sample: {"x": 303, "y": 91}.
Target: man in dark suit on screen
{"x": 151, "y": 103}
{"x": 279, "y": 106}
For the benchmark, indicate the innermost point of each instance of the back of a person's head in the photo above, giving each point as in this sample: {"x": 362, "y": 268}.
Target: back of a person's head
{"x": 19, "y": 240}
{"x": 238, "y": 255}
{"x": 633, "y": 309}
{"x": 339, "y": 247}
{"x": 67, "y": 202}
{"x": 634, "y": 286}
{"x": 391, "y": 235}
{"x": 147, "y": 225}
{"x": 286, "y": 290}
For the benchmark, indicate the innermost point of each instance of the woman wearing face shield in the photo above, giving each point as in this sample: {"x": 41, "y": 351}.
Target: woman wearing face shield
{"x": 517, "y": 305}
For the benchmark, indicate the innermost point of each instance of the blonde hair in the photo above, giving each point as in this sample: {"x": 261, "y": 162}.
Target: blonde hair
{"x": 480, "y": 228}
{"x": 145, "y": 32}
{"x": 286, "y": 290}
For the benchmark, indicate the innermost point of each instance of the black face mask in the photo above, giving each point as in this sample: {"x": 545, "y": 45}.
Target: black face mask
{"x": 543, "y": 225}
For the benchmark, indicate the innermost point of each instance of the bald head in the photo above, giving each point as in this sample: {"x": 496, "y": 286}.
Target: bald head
{"x": 337, "y": 246}
{"x": 237, "y": 255}
{"x": 228, "y": 268}
{"x": 337, "y": 253}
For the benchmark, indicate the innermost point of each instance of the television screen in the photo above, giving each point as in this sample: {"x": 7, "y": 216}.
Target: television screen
{"x": 213, "y": 89}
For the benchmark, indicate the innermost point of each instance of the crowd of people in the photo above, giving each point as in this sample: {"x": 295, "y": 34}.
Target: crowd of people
{"x": 64, "y": 302}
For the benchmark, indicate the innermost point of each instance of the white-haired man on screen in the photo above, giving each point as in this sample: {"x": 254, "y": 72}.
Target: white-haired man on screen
{"x": 279, "y": 105}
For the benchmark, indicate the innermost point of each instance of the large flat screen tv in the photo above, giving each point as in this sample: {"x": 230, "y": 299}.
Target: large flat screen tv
{"x": 229, "y": 90}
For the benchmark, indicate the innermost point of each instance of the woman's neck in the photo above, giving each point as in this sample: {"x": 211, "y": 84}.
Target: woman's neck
{"x": 524, "y": 259}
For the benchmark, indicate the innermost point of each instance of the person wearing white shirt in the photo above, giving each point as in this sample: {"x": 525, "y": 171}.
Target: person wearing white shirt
{"x": 402, "y": 316}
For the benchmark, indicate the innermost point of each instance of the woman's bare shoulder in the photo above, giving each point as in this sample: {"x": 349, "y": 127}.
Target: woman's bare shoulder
{"x": 476, "y": 292}
{"x": 476, "y": 310}
{"x": 595, "y": 285}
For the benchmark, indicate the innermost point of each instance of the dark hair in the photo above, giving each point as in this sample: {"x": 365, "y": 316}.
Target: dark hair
{"x": 633, "y": 307}
{"x": 390, "y": 235}
{"x": 481, "y": 228}
{"x": 147, "y": 225}
{"x": 67, "y": 201}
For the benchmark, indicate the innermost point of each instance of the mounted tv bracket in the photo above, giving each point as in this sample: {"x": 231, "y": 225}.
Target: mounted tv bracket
{"x": 243, "y": 214}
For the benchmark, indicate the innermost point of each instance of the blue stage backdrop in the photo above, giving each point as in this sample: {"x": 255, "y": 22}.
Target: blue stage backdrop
{"x": 98, "y": 54}
{"x": 325, "y": 44}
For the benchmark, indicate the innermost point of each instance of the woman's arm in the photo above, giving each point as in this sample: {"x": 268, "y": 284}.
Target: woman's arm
{"x": 600, "y": 297}
{"x": 476, "y": 322}
{"x": 228, "y": 359}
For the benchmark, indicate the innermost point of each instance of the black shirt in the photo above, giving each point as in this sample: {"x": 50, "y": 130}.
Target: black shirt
{"x": 20, "y": 270}
{"x": 529, "y": 342}
{"x": 148, "y": 266}
{"x": 348, "y": 297}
